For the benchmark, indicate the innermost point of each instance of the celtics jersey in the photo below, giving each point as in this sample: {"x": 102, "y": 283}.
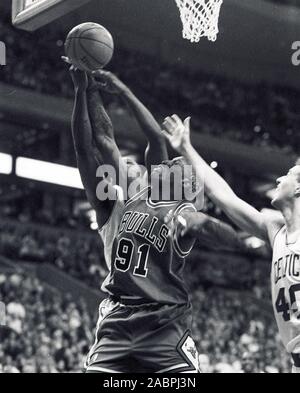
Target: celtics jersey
{"x": 147, "y": 257}
{"x": 285, "y": 281}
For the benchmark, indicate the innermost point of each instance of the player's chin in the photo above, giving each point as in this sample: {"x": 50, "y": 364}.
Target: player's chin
{"x": 276, "y": 202}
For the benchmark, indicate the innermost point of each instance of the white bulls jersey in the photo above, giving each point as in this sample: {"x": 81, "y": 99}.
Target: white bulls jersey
{"x": 285, "y": 281}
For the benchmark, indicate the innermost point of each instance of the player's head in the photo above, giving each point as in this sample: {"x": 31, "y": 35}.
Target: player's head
{"x": 288, "y": 189}
{"x": 177, "y": 177}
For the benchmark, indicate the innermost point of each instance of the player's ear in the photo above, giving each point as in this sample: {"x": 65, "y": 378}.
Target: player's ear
{"x": 297, "y": 191}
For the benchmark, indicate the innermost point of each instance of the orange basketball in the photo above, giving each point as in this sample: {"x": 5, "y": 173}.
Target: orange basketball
{"x": 89, "y": 46}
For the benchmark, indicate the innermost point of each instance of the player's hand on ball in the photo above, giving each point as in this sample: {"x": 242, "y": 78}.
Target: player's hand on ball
{"x": 79, "y": 77}
{"x": 109, "y": 82}
{"x": 177, "y": 132}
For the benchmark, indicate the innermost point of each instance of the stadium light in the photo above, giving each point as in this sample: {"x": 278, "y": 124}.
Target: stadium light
{"x": 48, "y": 172}
{"x": 6, "y": 164}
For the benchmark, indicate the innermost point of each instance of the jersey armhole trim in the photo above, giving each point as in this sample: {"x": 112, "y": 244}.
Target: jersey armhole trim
{"x": 275, "y": 236}
{"x": 118, "y": 199}
{"x": 182, "y": 253}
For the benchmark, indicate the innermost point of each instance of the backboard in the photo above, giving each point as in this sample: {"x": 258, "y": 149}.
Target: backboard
{"x": 33, "y": 14}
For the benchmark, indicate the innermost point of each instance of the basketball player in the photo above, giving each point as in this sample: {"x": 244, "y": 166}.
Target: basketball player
{"x": 145, "y": 323}
{"x": 283, "y": 234}
{"x": 95, "y": 145}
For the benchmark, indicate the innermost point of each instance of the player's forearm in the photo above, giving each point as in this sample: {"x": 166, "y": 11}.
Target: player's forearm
{"x": 149, "y": 125}
{"x": 103, "y": 136}
{"x": 102, "y": 128}
{"x": 81, "y": 127}
{"x": 215, "y": 186}
{"x": 205, "y": 228}
{"x": 82, "y": 138}
{"x": 225, "y": 236}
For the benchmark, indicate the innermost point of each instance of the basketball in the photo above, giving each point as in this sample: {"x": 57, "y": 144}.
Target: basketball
{"x": 89, "y": 46}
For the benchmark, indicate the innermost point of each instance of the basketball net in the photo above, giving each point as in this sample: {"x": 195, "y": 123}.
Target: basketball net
{"x": 199, "y": 18}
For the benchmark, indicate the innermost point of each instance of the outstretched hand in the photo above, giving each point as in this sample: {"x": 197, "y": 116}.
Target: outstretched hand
{"x": 177, "y": 132}
{"x": 109, "y": 82}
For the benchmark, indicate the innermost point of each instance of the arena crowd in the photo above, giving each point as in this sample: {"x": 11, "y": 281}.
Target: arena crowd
{"x": 50, "y": 332}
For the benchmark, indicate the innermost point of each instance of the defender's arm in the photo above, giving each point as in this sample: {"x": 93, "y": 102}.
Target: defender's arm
{"x": 210, "y": 230}
{"x": 240, "y": 212}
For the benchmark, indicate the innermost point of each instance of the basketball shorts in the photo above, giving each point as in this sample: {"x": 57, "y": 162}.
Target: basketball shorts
{"x": 143, "y": 339}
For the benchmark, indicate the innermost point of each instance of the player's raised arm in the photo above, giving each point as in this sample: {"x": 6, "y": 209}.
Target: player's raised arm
{"x": 241, "y": 213}
{"x": 103, "y": 133}
{"x": 156, "y": 151}
{"x": 82, "y": 138}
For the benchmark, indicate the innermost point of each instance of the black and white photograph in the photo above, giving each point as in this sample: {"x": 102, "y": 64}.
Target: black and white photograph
{"x": 149, "y": 189}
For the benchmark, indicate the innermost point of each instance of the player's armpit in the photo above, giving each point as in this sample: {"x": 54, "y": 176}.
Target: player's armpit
{"x": 105, "y": 208}
{"x": 274, "y": 222}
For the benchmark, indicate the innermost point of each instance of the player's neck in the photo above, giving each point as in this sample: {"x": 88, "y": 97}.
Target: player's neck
{"x": 291, "y": 215}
